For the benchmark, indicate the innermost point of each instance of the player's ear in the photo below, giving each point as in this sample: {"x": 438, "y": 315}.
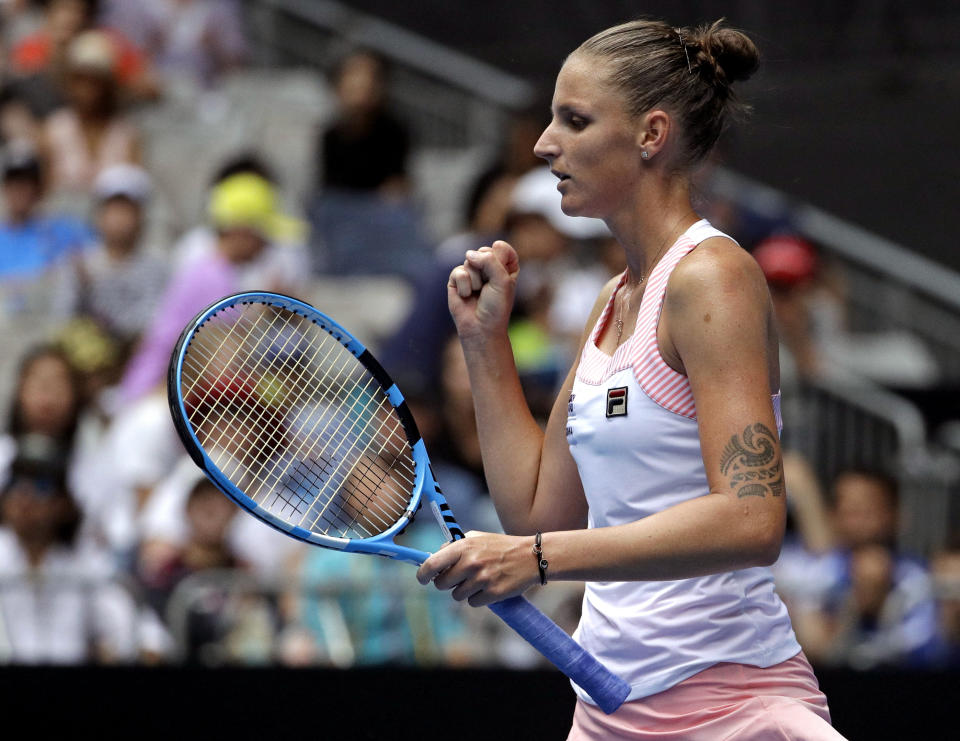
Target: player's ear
{"x": 653, "y": 132}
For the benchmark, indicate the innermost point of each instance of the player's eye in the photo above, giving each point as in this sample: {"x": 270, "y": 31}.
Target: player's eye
{"x": 577, "y": 122}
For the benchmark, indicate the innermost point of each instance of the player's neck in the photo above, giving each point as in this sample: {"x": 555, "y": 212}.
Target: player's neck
{"x": 659, "y": 212}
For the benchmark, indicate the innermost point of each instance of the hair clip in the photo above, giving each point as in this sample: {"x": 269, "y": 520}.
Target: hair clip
{"x": 686, "y": 53}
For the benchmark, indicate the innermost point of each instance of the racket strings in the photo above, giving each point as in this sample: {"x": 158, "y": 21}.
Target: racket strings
{"x": 381, "y": 499}
{"x": 351, "y": 469}
{"x": 213, "y": 406}
{"x": 397, "y": 448}
{"x": 249, "y": 424}
{"x": 241, "y": 381}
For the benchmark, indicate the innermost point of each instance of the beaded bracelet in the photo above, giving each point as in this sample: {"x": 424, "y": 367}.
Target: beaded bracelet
{"x": 542, "y": 563}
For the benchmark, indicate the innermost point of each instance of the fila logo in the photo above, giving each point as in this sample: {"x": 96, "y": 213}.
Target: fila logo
{"x": 617, "y": 402}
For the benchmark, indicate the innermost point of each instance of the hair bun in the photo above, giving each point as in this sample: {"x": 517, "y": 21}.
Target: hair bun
{"x": 729, "y": 51}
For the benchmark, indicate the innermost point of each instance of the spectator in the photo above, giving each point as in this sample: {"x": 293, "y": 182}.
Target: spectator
{"x": 791, "y": 267}
{"x": 40, "y": 59}
{"x": 18, "y": 19}
{"x": 118, "y": 282}
{"x": 348, "y": 621}
{"x": 17, "y": 120}
{"x": 545, "y": 238}
{"x": 363, "y": 187}
{"x": 190, "y": 41}
{"x": 210, "y": 620}
{"x": 47, "y": 411}
{"x": 411, "y": 350}
{"x": 485, "y": 218}
{"x": 811, "y": 316}
{"x": 164, "y": 528}
{"x": 244, "y": 217}
{"x": 445, "y": 417}
{"x": 886, "y": 617}
{"x": 31, "y": 243}
{"x": 89, "y": 134}
{"x": 366, "y": 147}
{"x": 860, "y": 604}
{"x": 46, "y": 405}
{"x": 284, "y": 264}
{"x": 60, "y": 601}
{"x": 945, "y": 567}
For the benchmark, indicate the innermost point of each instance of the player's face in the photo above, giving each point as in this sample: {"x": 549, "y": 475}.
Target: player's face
{"x": 591, "y": 142}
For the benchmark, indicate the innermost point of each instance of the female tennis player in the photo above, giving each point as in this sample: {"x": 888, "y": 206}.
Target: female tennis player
{"x": 658, "y": 479}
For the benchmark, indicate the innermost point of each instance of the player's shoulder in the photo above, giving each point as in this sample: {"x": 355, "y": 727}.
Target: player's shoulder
{"x": 717, "y": 266}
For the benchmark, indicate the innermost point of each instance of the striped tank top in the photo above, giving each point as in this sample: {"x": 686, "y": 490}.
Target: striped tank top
{"x": 632, "y": 430}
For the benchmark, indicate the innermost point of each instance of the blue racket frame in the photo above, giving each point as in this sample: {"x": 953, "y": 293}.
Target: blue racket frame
{"x": 606, "y": 689}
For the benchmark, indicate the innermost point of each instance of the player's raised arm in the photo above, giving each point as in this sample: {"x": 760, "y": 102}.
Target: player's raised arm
{"x": 532, "y": 477}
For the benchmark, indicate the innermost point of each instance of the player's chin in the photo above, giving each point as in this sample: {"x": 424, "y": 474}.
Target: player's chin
{"x": 573, "y": 205}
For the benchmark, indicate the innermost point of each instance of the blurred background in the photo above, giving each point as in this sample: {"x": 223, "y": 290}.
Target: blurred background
{"x": 158, "y": 155}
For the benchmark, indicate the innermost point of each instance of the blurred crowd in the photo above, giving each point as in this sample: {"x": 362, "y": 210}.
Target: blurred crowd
{"x": 115, "y": 549}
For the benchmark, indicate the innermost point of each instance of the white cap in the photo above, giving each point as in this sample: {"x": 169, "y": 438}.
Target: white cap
{"x": 129, "y": 181}
{"x": 536, "y": 193}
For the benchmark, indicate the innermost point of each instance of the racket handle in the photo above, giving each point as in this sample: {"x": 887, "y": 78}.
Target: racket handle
{"x": 607, "y": 689}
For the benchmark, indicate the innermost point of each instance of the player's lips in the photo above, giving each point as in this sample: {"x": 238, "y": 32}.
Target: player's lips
{"x": 562, "y": 177}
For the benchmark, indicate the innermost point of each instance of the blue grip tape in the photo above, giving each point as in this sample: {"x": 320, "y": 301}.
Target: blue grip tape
{"x": 607, "y": 689}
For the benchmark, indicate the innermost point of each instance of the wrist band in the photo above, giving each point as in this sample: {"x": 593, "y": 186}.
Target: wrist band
{"x": 542, "y": 563}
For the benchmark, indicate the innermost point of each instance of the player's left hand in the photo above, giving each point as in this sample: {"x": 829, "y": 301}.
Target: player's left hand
{"x": 482, "y": 568}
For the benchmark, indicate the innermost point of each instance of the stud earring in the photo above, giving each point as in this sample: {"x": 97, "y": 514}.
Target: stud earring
{"x": 645, "y": 154}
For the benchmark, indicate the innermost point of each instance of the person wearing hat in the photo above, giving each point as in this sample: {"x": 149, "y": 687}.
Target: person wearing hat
{"x": 244, "y": 218}
{"x": 30, "y": 241}
{"x": 39, "y": 59}
{"x": 118, "y": 281}
{"x": 284, "y": 263}
{"x": 90, "y": 133}
{"x": 809, "y": 304}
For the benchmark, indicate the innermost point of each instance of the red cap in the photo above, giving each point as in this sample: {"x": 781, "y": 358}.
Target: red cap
{"x": 786, "y": 260}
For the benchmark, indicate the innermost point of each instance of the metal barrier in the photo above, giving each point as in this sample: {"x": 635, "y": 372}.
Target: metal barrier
{"x": 63, "y": 618}
{"x": 449, "y": 98}
{"x": 841, "y": 423}
{"x": 346, "y": 622}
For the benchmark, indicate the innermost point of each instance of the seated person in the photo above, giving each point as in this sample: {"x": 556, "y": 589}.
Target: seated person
{"x": 60, "y": 600}
{"x": 117, "y": 282}
{"x": 861, "y": 603}
{"x": 244, "y": 218}
{"x": 32, "y": 243}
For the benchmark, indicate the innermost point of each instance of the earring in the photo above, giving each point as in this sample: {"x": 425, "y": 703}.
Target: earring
{"x": 645, "y": 154}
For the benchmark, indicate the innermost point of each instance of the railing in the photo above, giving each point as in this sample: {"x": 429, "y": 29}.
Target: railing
{"x": 383, "y": 618}
{"x": 448, "y": 98}
{"x": 843, "y": 423}
{"x": 63, "y": 618}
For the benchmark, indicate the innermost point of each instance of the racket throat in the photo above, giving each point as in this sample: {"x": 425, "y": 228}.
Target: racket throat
{"x": 446, "y": 520}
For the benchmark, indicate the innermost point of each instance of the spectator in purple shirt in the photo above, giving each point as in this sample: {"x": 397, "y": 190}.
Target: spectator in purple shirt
{"x": 243, "y": 214}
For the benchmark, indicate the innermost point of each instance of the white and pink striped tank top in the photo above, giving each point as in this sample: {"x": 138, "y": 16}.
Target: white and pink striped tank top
{"x": 632, "y": 430}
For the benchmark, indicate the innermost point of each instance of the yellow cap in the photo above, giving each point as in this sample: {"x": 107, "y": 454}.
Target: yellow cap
{"x": 248, "y": 200}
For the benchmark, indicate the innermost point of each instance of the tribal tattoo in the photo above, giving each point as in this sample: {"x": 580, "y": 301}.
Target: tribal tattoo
{"x": 752, "y": 463}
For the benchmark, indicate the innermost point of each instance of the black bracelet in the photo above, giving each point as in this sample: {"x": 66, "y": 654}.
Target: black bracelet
{"x": 542, "y": 563}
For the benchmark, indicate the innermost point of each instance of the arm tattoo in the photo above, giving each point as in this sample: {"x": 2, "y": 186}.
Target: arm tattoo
{"x": 752, "y": 463}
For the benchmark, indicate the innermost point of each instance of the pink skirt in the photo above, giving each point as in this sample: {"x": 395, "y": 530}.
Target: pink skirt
{"x": 726, "y": 701}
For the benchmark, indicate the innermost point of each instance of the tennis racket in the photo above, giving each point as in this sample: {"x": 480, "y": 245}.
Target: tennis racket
{"x": 294, "y": 420}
